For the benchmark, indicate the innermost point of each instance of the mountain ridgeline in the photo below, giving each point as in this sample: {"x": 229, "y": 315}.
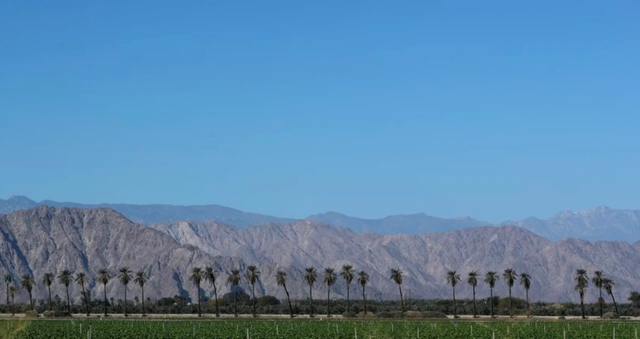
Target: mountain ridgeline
{"x": 154, "y": 213}
{"x": 47, "y": 239}
{"x": 601, "y": 223}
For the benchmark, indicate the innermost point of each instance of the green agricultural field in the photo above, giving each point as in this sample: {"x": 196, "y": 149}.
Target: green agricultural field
{"x": 242, "y": 329}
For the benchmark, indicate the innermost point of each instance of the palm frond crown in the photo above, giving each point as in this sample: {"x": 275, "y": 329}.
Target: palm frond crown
{"x": 453, "y": 278}
{"x": 510, "y": 276}
{"x": 65, "y": 277}
{"x": 491, "y": 278}
{"x": 125, "y": 275}
{"x": 330, "y": 276}
{"x": 396, "y": 275}
{"x": 310, "y": 275}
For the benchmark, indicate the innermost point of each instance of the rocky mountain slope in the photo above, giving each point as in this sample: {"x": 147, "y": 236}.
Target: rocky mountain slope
{"x": 424, "y": 258}
{"x": 46, "y": 239}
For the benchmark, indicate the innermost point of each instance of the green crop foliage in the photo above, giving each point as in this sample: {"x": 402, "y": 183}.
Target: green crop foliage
{"x": 364, "y": 329}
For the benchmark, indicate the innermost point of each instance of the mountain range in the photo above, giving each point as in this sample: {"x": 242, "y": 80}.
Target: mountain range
{"x": 47, "y": 239}
{"x": 601, "y": 223}
{"x": 154, "y": 213}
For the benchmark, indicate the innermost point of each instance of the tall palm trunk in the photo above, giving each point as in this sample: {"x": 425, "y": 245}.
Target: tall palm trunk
{"x": 125, "y": 301}
{"x": 328, "y": 302}
{"x": 364, "y": 300}
{"x": 615, "y": 305}
{"x": 510, "y": 304}
{"x": 528, "y": 303}
{"x": 68, "y": 301}
{"x": 348, "y": 304}
{"x": 491, "y": 300}
{"x": 30, "y": 300}
{"x": 50, "y": 304}
{"x": 401, "y": 299}
{"x": 8, "y": 294}
{"x": 105, "y": 300}
{"x": 235, "y": 300}
{"x": 86, "y": 299}
{"x": 455, "y": 310}
{"x": 288, "y": 299}
{"x": 310, "y": 302}
{"x": 600, "y": 300}
{"x": 582, "y": 304}
{"x": 143, "y": 310}
{"x": 215, "y": 295}
{"x": 474, "y": 302}
{"x": 13, "y": 305}
{"x": 253, "y": 299}
{"x": 199, "y": 308}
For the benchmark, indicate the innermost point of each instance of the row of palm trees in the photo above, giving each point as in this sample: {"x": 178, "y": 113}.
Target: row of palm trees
{"x": 600, "y": 282}
{"x": 66, "y": 278}
{"x": 252, "y": 275}
{"x": 490, "y": 278}
{"x": 510, "y": 276}
{"x": 347, "y": 273}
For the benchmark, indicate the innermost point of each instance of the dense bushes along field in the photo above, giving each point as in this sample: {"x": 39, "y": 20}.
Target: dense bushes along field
{"x": 271, "y": 305}
{"x": 242, "y": 329}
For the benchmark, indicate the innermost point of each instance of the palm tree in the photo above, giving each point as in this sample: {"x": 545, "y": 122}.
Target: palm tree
{"x": 27, "y": 283}
{"x": 125, "y": 276}
{"x": 47, "y": 280}
{"x": 210, "y": 276}
{"x": 82, "y": 280}
{"x": 525, "y": 281}
{"x": 347, "y": 274}
{"x": 472, "y": 280}
{"x": 196, "y": 276}
{"x": 253, "y": 275}
{"x": 234, "y": 280}
{"x": 66, "y": 277}
{"x": 396, "y": 276}
{"x": 310, "y": 277}
{"x": 330, "y": 278}
{"x": 103, "y": 278}
{"x": 281, "y": 279}
{"x": 453, "y": 278}
{"x": 597, "y": 282}
{"x": 510, "y": 276}
{"x": 608, "y": 284}
{"x": 7, "y": 280}
{"x": 582, "y": 281}
{"x": 491, "y": 278}
{"x": 141, "y": 279}
{"x": 11, "y": 292}
{"x": 363, "y": 279}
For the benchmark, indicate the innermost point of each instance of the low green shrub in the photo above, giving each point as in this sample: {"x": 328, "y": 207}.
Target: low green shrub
{"x": 389, "y": 315}
{"x": 31, "y": 314}
{"x": 434, "y": 315}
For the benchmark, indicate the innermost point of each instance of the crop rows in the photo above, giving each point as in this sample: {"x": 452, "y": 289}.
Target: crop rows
{"x": 238, "y": 329}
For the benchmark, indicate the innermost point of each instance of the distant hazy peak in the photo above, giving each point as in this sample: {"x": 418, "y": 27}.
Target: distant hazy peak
{"x": 20, "y": 198}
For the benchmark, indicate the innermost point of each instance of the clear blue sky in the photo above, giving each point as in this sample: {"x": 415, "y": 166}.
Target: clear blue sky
{"x": 494, "y": 109}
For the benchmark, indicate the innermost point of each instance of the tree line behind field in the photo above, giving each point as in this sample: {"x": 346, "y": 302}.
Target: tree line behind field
{"x": 270, "y": 305}
{"x": 240, "y": 299}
